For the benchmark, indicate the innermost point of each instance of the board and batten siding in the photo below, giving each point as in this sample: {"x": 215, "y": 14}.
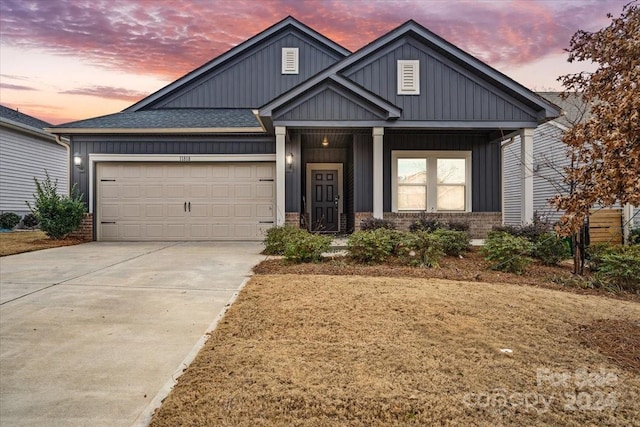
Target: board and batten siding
{"x": 23, "y": 157}
{"x": 485, "y": 163}
{"x": 255, "y": 78}
{"x": 150, "y": 144}
{"x": 447, "y": 91}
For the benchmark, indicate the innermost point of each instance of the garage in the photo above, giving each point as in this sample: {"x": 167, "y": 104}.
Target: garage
{"x": 184, "y": 201}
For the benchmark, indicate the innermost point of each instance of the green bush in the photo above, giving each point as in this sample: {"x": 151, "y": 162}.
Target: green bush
{"x": 634, "y": 236}
{"x": 620, "y": 267}
{"x": 8, "y": 220}
{"x": 594, "y": 254}
{"x": 29, "y": 220}
{"x": 276, "y": 239}
{"x": 551, "y": 249}
{"x": 454, "y": 243}
{"x": 373, "y": 246}
{"x": 58, "y": 215}
{"x": 306, "y": 247}
{"x": 420, "y": 248}
{"x": 376, "y": 223}
{"x": 507, "y": 252}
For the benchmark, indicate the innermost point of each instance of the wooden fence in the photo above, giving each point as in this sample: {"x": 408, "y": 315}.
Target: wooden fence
{"x": 605, "y": 226}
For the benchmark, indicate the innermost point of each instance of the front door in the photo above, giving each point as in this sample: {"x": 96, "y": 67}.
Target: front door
{"x": 325, "y": 200}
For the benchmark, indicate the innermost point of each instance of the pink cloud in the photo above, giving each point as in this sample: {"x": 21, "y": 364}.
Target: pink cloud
{"x": 108, "y": 92}
{"x": 170, "y": 38}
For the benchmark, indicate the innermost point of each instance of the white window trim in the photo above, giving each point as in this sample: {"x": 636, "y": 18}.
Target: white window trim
{"x": 432, "y": 183}
{"x": 415, "y": 64}
{"x": 286, "y": 51}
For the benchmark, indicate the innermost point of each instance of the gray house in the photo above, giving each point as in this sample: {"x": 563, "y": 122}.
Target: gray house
{"x": 290, "y": 127}
{"x": 549, "y": 158}
{"x": 26, "y": 151}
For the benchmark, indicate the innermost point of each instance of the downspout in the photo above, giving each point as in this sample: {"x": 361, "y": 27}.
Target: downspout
{"x": 69, "y": 166}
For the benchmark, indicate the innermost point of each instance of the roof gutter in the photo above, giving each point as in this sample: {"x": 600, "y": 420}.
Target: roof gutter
{"x": 103, "y": 131}
{"x": 30, "y": 130}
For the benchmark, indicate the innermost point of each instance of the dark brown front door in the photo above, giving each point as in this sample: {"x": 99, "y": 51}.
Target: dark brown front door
{"x": 324, "y": 209}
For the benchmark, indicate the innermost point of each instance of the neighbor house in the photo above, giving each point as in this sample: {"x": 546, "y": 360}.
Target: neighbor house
{"x": 549, "y": 158}
{"x": 27, "y": 151}
{"x": 290, "y": 127}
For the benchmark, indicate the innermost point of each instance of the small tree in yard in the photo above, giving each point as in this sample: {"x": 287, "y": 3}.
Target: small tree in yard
{"x": 58, "y": 215}
{"x": 604, "y": 149}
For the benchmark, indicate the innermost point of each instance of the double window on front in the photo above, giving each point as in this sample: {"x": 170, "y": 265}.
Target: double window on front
{"x": 432, "y": 181}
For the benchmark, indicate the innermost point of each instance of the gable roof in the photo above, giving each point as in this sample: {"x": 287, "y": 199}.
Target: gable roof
{"x": 546, "y": 110}
{"x": 25, "y": 119}
{"x": 169, "y": 120}
{"x": 289, "y": 21}
{"x": 574, "y": 109}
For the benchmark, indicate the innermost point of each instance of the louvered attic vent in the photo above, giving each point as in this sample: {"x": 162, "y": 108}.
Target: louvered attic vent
{"x": 408, "y": 77}
{"x": 289, "y": 60}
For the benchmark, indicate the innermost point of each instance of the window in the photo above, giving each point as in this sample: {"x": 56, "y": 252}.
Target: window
{"x": 408, "y": 77}
{"x": 289, "y": 60}
{"x": 434, "y": 181}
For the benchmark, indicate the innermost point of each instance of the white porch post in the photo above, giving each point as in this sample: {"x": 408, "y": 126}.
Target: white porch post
{"x": 378, "y": 166}
{"x": 281, "y": 132}
{"x": 627, "y": 215}
{"x": 526, "y": 174}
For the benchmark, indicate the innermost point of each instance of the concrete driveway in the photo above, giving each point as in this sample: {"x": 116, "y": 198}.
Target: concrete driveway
{"x": 93, "y": 334}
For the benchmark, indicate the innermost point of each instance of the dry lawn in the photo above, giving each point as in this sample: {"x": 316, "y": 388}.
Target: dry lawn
{"x": 26, "y": 241}
{"x": 314, "y": 350}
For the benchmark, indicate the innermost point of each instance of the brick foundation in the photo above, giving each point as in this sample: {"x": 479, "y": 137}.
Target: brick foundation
{"x": 480, "y": 223}
{"x": 85, "y": 232}
{"x": 292, "y": 219}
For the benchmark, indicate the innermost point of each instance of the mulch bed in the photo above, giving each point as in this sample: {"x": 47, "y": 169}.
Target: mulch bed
{"x": 470, "y": 268}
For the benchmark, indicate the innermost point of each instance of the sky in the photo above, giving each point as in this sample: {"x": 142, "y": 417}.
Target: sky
{"x": 66, "y": 60}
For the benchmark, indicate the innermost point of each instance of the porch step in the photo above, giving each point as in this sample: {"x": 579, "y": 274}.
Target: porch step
{"x": 339, "y": 244}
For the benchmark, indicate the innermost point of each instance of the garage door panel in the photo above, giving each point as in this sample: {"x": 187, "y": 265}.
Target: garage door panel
{"x": 150, "y": 201}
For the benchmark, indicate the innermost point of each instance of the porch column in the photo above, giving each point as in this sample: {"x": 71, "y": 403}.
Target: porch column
{"x": 526, "y": 174}
{"x": 281, "y": 132}
{"x": 378, "y": 166}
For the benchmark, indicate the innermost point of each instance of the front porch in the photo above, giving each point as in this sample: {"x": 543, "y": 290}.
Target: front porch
{"x": 331, "y": 179}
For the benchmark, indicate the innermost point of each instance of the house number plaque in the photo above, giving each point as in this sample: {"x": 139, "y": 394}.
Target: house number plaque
{"x": 185, "y": 158}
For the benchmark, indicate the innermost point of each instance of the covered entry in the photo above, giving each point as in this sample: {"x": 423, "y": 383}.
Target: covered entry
{"x": 184, "y": 201}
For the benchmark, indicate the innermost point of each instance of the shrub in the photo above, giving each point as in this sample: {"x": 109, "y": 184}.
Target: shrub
{"x": 532, "y": 232}
{"x": 424, "y": 224}
{"x": 9, "y": 220}
{"x": 306, "y": 247}
{"x": 594, "y": 254}
{"x": 30, "y": 220}
{"x": 507, "y": 252}
{"x": 551, "y": 249}
{"x": 454, "y": 243}
{"x": 376, "y": 223}
{"x": 458, "y": 226}
{"x": 373, "y": 246}
{"x": 420, "y": 248}
{"x": 276, "y": 239}
{"x": 634, "y": 236}
{"x": 58, "y": 215}
{"x": 620, "y": 267}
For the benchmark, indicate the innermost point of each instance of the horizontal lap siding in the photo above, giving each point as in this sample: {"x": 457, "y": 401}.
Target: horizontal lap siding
{"x": 23, "y": 157}
{"x": 485, "y": 160}
{"x": 255, "y": 78}
{"x": 164, "y": 145}
{"x": 447, "y": 91}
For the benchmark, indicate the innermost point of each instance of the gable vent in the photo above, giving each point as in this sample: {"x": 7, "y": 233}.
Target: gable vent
{"x": 289, "y": 60}
{"x": 408, "y": 77}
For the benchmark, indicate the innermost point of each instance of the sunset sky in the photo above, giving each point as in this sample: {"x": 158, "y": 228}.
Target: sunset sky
{"x": 64, "y": 60}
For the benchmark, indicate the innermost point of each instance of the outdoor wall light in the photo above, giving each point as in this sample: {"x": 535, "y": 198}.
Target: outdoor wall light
{"x": 290, "y": 160}
{"x": 325, "y": 142}
{"x": 77, "y": 162}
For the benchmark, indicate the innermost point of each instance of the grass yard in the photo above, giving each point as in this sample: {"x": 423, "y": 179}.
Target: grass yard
{"x": 316, "y": 350}
{"x": 17, "y": 242}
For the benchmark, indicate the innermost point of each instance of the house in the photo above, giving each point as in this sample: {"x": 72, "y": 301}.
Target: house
{"x": 27, "y": 151}
{"x": 549, "y": 158}
{"x": 290, "y": 127}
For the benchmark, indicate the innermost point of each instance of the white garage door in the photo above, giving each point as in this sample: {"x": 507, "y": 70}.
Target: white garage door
{"x": 178, "y": 201}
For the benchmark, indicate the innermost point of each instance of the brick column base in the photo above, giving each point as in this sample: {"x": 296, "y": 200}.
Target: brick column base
{"x": 292, "y": 219}
{"x": 85, "y": 232}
